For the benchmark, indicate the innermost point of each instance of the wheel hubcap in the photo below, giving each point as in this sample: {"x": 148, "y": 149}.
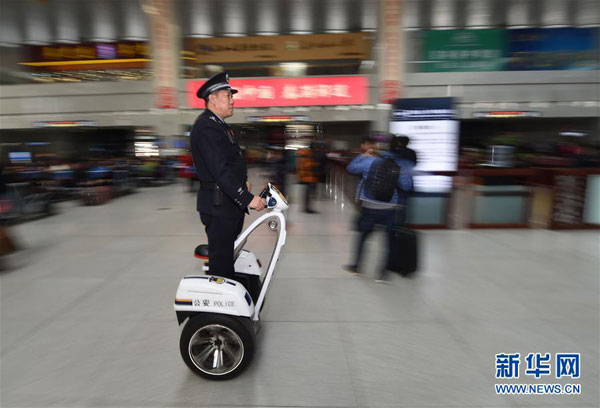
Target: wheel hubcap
{"x": 216, "y": 349}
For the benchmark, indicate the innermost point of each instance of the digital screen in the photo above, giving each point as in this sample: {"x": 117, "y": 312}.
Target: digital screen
{"x": 19, "y": 157}
{"x": 436, "y": 143}
{"x": 433, "y": 132}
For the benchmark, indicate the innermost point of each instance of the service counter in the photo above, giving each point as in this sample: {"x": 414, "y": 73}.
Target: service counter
{"x": 555, "y": 198}
{"x": 493, "y": 197}
{"x": 575, "y": 198}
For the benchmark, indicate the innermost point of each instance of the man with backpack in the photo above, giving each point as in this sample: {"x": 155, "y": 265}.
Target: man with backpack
{"x": 385, "y": 182}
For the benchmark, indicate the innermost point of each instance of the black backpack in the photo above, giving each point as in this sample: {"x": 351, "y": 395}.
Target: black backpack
{"x": 382, "y": 180}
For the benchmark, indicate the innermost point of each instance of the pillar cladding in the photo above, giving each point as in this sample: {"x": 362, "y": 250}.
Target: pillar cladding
{"x": 519, "y": 12}
{"x": 168, "y": 128}
{"x": 267, "y": 17}
{"x": 410, "y": 15}
{"x": 443, "y": 14}
{"x": 479, "y": 14}
{"x": 37, "y": 23}
{"x": 11, "y": 30}
{"x": 166, "y": 52}
{"x": 66, "y": 22}
{"x": 391, "y": 44}
{"x": 234, "y": 20}
{"x": 369, "y": 21}
{"x": 133, "y": 23}
{"x": 103, "y": 22}
{"x": 301, "y": 17}
{"x": 587, "y": 13}
{"x": 555, "y": 13}
{"x": 197, "y": 19}
{"x": 337, "y": 17}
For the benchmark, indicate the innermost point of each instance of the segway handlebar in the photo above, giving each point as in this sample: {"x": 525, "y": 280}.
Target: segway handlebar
{"x": 264, "y": 193}
{"x": 273, "y": 198}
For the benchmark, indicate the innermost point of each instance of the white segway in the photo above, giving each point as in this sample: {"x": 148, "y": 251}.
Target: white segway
{"x": 222, "y": 315}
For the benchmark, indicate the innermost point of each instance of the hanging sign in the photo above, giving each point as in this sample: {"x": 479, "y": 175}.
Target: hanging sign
{"x": 306, "y": 91}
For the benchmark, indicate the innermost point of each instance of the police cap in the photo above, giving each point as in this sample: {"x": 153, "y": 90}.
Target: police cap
{"x": 216, "y": 83}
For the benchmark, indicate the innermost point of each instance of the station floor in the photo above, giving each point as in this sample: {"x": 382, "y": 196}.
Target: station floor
{"x": 87, "y": 314}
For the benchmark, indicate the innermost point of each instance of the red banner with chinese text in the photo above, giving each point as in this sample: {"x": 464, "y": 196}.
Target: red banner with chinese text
{"x": 305, "y": 91}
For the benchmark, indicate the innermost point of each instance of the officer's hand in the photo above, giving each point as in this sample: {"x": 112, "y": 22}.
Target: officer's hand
{"x": 257, "y": 203}
{"x": 249, "y": 186}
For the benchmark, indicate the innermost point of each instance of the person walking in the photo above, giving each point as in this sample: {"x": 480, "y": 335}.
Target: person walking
{"x": 406, "y": 158}
{"x": 376, "y": 169}
{"x": 224, "y": 195}
{"x": 306, "y": 169}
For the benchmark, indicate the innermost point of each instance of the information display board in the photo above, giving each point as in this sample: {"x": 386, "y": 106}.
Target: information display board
{"x": 431, "y": 125}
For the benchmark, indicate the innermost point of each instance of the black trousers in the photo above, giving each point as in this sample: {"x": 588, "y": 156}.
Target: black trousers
{"x": 369, "y": 218}
{"x": 221, "y": 232}
{"x": 308, "y": 193}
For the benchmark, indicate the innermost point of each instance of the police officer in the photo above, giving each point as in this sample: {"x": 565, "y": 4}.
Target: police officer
{"x": 224, "y": 195}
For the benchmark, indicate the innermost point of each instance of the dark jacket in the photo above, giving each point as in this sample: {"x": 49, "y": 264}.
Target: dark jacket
{"x": 406, "y": 153}
{"x": 220, "y": 167}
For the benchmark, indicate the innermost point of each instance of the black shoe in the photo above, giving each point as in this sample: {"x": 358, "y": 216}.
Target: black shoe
{"x": 311, "y": 212}
{"x": 351, "y": 269}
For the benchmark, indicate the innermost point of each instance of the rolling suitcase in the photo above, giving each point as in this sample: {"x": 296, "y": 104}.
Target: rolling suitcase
{"x": 403, "y": 257}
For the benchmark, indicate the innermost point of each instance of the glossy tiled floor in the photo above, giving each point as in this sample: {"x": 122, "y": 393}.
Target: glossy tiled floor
{"x": 87, "y": 316}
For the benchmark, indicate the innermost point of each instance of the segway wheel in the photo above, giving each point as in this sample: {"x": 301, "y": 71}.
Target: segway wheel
{"x": 217, "y": 347}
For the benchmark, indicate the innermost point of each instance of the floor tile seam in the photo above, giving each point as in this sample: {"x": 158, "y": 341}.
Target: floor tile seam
{"x": 511, "y": 248}
{"x": 343, "y": 278}
{"x": 460, "y": 340}
{"x": 574, "y": 283}
{"x": 546, "y": 256}
{"x": 525, "y": 319}
{"x": 97, "y": 319}
{"x": 358, "y": 392}
{"x": 185, "y": 234}
{"x": 494, "y": 243}
{"x": 345, "y": 253}
{"x": 165, "y": 319}
{"x": 345, "y": 234}
{"x": 320, "y": 252}
{"x": 337, "y": 321}
{"x": 78, "y": 300}
{"x": 132, "y": 235}
{"x": 566, "y": 333}
{"x": 311, "y": 278}
{"x": 105, "y": 401}
{"x": 43, "y": 275}
{"x": 522, "y": 298}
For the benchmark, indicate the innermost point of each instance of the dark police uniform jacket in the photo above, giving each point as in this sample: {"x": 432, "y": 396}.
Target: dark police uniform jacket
{"x": 220, "y": 167}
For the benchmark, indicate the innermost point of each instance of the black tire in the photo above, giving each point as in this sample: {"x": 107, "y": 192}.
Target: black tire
{"x": 229, "y": 339}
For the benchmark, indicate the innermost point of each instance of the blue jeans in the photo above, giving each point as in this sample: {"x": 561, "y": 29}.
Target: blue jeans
{"x": 369, "y": 218}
